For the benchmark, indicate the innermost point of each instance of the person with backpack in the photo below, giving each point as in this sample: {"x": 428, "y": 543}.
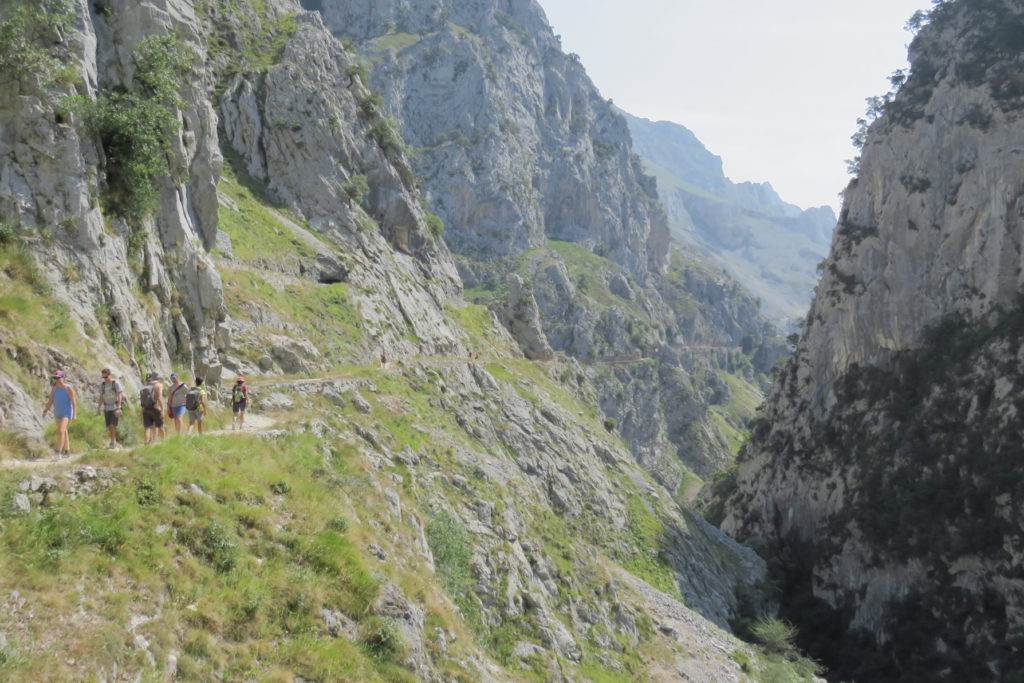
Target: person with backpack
{"x": 65, "y": 409}
{"x": 176, "y": 401}
{"x": 111, "y": 398}
{"x": 195, "y": 402}
{"x": 239, "y": 400}
{"x": 151, "y": 397}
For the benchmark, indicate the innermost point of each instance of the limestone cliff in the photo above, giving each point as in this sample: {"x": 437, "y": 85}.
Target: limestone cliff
{"x": 534, "y": 176}
{"x": 882, "y": 473}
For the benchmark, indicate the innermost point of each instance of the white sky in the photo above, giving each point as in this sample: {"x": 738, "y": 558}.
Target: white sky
{"x": 774, "y": 88}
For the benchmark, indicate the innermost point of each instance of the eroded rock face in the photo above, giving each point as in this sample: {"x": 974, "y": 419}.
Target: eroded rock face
{"x": 516, "y": 144}
{"x": 880, "y": 464}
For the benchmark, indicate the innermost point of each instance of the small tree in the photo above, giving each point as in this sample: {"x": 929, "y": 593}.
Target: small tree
{"x": 435, "y": 226}
{"x": 355, "y": 189}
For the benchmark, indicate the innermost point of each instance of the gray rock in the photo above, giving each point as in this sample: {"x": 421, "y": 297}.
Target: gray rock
{"x": 339, "y": 625}
{"x": 277, "y": 401}
{"x": 361, "y": 404}
{"x": 20, "y": 504}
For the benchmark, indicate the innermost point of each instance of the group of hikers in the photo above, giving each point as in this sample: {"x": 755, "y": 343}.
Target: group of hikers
{"x": 178, "y": 398}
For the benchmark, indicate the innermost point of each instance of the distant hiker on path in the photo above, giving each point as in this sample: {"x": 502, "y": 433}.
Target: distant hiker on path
{"x": 111, "y": 398}
{"x": 195, "y": 402}
{"x": 239, "y": 399}
{"x": 151, "y": 396}
{"x": 176, "y": 401}
{"x": 383, "y": 360}
{"x": 65, "y": 408}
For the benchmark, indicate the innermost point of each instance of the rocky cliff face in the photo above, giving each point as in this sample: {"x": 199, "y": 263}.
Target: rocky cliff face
{"x": 881, "y": 470}
{"x": 533, "y": 174}
{"x": 516, "y": 146}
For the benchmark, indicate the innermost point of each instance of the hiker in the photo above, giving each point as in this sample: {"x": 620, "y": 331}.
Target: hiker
{"x": 176, "y": 401}
{"x": 195, "y": 402}
{"x": 65, "y": 408}
{"x": 383, "y": 360}
{"x": 239, "y": 399}
{"x": 151, "y": 397}
{"x": 111, "y": 398}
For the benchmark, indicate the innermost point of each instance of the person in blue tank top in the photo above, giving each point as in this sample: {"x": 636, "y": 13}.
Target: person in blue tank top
{"x": 65, "y": 408}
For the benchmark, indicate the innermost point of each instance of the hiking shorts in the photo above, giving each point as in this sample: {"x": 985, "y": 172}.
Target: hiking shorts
{"x": 238, "y": 406}
{"x": 195, "y": 416}
{"x": 110, "y": 417}
{"x": 178, "y": 411}
{"x": 151, "y": 417}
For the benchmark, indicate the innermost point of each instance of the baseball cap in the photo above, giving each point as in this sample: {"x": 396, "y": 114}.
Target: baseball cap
{"x": 241, "y": 379}
{"x": 58, "y": 373}
{"x": 174, "y": 375}
{"x": 152, "y": 376}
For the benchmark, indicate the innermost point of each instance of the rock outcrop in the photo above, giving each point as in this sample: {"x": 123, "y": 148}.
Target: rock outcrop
{"x": 882, "y": 471}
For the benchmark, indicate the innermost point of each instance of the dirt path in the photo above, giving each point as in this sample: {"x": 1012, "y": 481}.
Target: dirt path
{"x": 253, "y": 423}
{"x": 41, "y": 463}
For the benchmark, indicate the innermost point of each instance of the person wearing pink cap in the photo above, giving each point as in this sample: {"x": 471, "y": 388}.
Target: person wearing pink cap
{"x": 239, "y": 400}
{"x": 62, "y": 400}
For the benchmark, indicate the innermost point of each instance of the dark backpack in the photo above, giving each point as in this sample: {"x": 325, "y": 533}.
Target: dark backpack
{"x": 192, "y": 399}
{"x": 147, "y": 396}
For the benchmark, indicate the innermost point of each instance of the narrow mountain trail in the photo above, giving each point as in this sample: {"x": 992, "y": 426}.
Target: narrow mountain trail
{"x": 52, "y": 462}
{"x": 254, "y": 424}
{"x": 360, "y": 371}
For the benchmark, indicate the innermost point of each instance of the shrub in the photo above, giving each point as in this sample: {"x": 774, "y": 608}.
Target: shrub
{"x": 353, "y": 70}
{"x": 775, "y": 636}
{"x": 435, "y": 226}
{"x": 611, "y": 424}
{"x": 449, "y": 544}
{"x": 24, "y": 58}
{"x": 134, "y": 127}
{"x": 381, "y": 638}
{"x": 355, "y": 189}
{"x": 371, "y": 105}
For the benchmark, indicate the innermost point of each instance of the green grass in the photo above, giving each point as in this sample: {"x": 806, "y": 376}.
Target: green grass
{"x": 258, "y": 237}
{"x": 323, "y": 314}
{"x": 647, "y": 531}
{"x": 251, "y": 554}
{"x": 476, "y": 322}
{"x": 396, "y": 41}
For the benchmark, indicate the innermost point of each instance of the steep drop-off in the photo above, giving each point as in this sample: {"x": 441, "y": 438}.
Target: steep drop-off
{"x": 883, "y": 475}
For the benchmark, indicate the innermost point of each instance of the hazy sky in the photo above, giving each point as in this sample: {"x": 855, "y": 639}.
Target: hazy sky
{"x": 774, "y": 88}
